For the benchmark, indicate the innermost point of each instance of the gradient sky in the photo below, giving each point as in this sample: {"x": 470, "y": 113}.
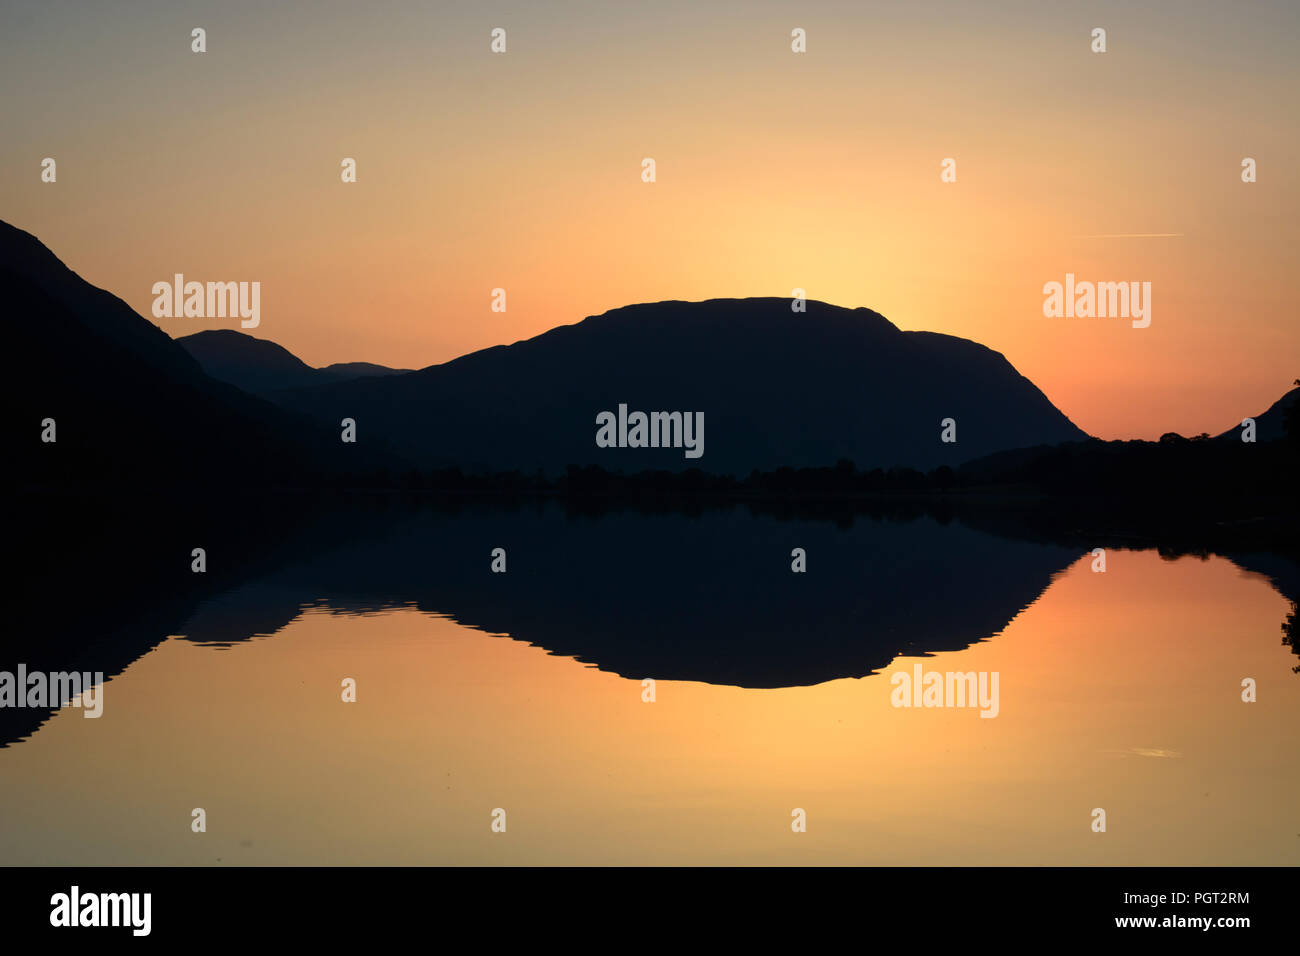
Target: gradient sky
{"x": 775, "y": 171}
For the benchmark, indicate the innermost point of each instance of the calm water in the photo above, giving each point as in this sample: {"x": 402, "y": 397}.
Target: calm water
{"x": 523, "y": 691}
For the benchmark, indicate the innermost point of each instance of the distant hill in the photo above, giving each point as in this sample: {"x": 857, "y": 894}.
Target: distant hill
{"x": 1270, "y": 424}
{"x": 1218, "y": 480}
{"x": 776, "y": 388}
{"x": 341, "y": 371}
{"x": 130, "y": 406}
{"x": 795, "y": 396}
{"x": 261, "y": 366}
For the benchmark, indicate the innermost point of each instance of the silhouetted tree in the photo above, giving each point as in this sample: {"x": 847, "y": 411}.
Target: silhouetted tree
{"x": 1291, "y": 420}
{"x": 1291, "y": 635}
{"x": 943, "y": 477}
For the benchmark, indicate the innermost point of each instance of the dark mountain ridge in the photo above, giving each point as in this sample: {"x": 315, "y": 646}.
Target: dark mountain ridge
{"x": 261, "y": 366}
{"x": 129, "y": 405}
{"x": 776, "y": 388}
{"x": 1270, "y": 424}
{"x": 781, "y": 393}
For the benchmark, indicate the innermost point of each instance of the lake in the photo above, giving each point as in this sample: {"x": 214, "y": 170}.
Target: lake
{"x": 525, "y": 691}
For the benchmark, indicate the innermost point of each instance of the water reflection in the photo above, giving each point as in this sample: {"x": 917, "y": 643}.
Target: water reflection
{"x": 1119, "y": 690}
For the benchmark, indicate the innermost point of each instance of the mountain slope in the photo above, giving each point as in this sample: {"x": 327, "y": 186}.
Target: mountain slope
{"x": 1269, "y": 424}
{"x": 341, "y": 371}
{"x": 776, "y": 388}
{"x": 130, "y": 406}
{"x": 261, "y": 366}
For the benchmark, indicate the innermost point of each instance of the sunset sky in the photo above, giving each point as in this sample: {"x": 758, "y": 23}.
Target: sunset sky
{"x": 775, "y": 170}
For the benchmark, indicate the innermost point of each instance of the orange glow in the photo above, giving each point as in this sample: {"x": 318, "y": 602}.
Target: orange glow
{"x": 775, "y": 171}
{"x": 1118, "y": 690}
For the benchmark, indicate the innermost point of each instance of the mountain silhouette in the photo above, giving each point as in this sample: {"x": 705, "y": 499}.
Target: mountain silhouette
{"x": 261, "y": 366}
{"x": 1270, "y": 424}
{"x": 776, "y": 389}
{"x": 780, "y": 392}
{"x": 129, "y": 405}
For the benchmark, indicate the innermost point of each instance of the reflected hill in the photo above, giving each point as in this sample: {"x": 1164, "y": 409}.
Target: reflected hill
{"x": 709, "y": 597}
{"x": 704, "y": 595}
